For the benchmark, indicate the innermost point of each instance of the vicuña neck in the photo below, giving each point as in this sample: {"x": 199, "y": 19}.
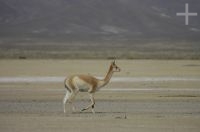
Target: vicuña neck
{"x": 107, "y": 78}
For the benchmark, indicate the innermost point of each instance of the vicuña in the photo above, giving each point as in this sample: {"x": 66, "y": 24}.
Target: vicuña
{"x": 75, "y": 83}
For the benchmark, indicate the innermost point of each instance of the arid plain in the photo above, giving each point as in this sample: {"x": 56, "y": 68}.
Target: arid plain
{"x": 146, "y": 96}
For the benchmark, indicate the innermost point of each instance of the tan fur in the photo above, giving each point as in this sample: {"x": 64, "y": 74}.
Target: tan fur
{"x": 70, "y": 82}
{"x": 90, "y": 80}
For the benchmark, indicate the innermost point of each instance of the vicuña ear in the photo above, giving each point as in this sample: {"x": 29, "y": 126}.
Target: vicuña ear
{"x": 114, "y": 60}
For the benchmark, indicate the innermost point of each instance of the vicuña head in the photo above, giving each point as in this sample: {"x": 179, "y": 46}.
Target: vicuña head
{"x": 76, "y": 83}
{"x": 115, "y": 68}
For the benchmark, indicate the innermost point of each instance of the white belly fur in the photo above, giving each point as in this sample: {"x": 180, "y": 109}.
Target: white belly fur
{"x": 81, "y": 85}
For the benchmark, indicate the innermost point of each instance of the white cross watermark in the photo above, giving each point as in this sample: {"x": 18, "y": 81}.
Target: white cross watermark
{"x": 186, "y": 14}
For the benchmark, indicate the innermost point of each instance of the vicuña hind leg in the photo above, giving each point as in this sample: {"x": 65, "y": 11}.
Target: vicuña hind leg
{"x": 72, "y": 98}
{"x": 66, "y": 97}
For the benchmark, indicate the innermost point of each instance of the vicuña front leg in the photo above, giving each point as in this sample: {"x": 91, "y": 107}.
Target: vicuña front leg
{"x": 92, "y": 103}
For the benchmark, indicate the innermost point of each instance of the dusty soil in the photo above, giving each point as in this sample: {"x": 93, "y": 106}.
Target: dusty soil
{"x": 113, "y": 115}
{"x": 42, "y": 111}
{"x": 38, "y": 106}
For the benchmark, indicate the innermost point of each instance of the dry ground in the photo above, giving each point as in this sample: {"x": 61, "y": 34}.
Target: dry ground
{"x": 38, "y": 106}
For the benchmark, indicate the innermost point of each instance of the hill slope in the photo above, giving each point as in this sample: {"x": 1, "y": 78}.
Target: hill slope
{"x": 98, "y": 24}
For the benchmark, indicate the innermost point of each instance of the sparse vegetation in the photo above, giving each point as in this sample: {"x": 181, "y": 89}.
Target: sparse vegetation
{"x": 134, "y": 49}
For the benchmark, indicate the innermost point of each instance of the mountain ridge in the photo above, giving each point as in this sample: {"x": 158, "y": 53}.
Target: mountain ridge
{"x": 96, "y": 17}
{"x": 124, "y": 28}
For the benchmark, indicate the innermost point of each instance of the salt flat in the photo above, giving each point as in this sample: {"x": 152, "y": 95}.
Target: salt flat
{"x": 40, "y": 79}
{"x": 147, "y": 96}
